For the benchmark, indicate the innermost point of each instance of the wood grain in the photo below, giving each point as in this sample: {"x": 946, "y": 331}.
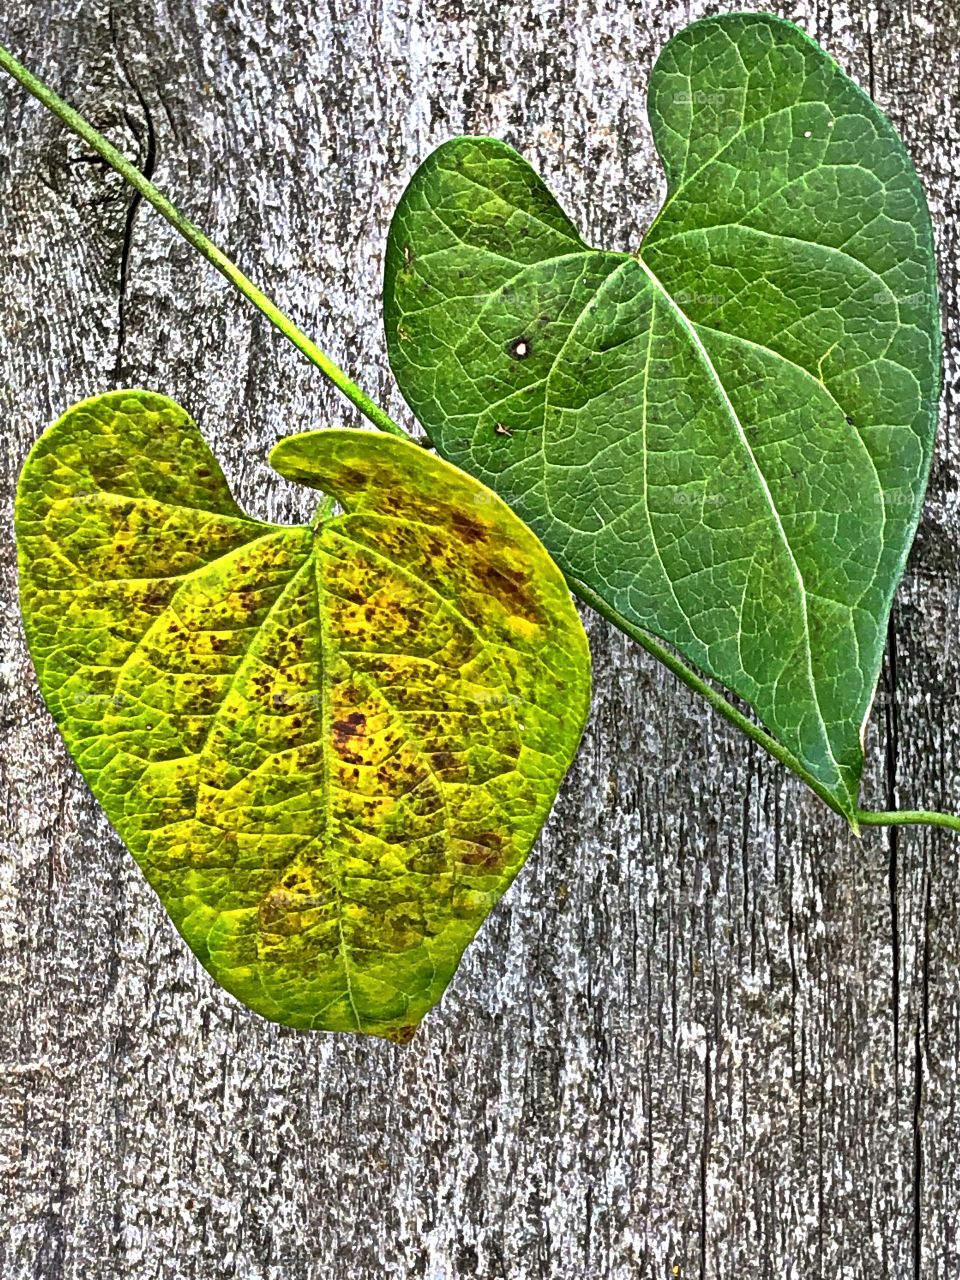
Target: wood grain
{"x": 707, "y": 1034}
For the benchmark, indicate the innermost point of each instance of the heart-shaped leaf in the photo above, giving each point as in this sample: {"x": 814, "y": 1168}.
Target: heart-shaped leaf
{"x": 330, "y": 749}
{"x": 724, "y": 437}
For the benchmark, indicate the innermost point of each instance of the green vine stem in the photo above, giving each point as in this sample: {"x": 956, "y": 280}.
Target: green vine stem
{"x": 689, "y": 677}
{"x": 380, "y": 419}
{"x": 699, "y": 685}
{"x": 907, "y": 817}
{"x": 200, "y": 242}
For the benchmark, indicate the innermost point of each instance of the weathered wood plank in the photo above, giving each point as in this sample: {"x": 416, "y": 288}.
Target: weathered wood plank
{"x": 700, "y": 1031}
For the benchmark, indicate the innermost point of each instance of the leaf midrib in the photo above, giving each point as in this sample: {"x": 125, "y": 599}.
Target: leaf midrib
{"x": 326, "y": 737}
{"x": 339, "y": 528}
{"x": 708, "y": 364}
{"x": 622, "y": 261}
{"x": 618, "y": 262}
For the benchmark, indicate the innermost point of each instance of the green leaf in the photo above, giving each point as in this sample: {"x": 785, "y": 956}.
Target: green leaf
{"x": 724, "y": 437}
{"x": 330, "y": 749}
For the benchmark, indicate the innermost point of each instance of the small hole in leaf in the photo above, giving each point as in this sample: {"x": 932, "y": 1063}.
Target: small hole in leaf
{"x": 519, "y": 348}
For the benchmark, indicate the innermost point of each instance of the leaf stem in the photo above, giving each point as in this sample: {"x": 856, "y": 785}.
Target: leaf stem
{"x": 699, "y": 685}
{"x": 856, "y": 817}
{"x": 372, "y": 411}
{"x": 907, "y": 817}
{"x": 191, "y": 233}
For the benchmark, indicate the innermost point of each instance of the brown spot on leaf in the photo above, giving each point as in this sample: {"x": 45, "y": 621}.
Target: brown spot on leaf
{"x": 347, "y": 733}
{"x": 511, "y": 587}
{"x": 401, "y": 1035}
{"x": 155, "y": 596}
{"x": 485, "y": 852}
{"x": 390, "y": 772}
{"x": 468, "y": 529}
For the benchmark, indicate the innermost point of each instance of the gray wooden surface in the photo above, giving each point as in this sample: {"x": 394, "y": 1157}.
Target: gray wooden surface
{"x": 707, "y": 1034}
